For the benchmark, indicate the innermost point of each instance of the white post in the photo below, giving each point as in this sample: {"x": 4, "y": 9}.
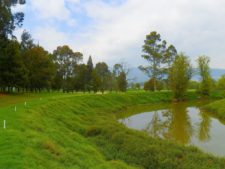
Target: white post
{"x": 4, "y": 126}
{"x": 25, "y": 104}
{"x": 15, "y": 108}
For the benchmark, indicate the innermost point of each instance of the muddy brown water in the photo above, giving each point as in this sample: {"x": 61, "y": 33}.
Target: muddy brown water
{"x": 185, "y": 123}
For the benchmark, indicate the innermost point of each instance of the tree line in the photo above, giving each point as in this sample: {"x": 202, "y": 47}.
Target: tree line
{"x": 26, "y": 66}
{"x": 171, "y": 70}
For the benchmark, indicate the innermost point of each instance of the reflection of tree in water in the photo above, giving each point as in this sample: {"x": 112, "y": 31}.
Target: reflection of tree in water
{"x": 204, "y": 127}
{"x": 158, "y": 126}
{"x": 174, "y": 124}
{"x": 180, "y": 128}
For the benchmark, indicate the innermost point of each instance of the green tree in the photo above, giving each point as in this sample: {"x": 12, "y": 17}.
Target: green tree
{"x": 65, "y": 60}
{"x": 12, "y": 70}
{"x": 90, "y": 68}
{"x": 95, "y": 81}
{"x": 149, "y": 85}
{"x": 122, "y": 82}
{"x": 80, "y": 78}
{"x": 179, "y": 76}
{"x": 221, "y": 83}
{"x": 103, "y": 72}
{"x": 169, "y": 56}
{"x": 8, "y": 20}
{"x": 112, "y": 82}
{"x": 118, "y": 69}
{"x": 206, "y": 79}
{"x": 40, "y": 68}
{"x": 26, "y": 41}
{"x": 157, "y": 55}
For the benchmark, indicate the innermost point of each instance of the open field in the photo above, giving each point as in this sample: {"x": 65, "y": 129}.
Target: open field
{"x": 81, "y": 131}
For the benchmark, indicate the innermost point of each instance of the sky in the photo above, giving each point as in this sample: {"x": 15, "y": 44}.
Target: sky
{"x": 114, "y": 30}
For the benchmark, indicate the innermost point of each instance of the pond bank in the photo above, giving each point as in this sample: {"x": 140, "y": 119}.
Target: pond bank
{"x": 217, "y": 108}
{"x": 184, "y": 123}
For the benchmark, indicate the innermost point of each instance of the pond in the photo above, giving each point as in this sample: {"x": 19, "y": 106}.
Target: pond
{"x": 183, "y": 123}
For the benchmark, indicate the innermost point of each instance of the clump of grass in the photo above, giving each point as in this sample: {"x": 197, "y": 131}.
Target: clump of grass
{"x": 93, "y": 131}
{"x": 51, "y": 147}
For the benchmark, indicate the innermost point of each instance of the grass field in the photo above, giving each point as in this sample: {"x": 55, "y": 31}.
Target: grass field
{"x": 80, "y": 131}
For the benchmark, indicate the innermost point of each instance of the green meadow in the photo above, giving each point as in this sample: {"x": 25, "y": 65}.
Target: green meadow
{"x": 80, "y": 131}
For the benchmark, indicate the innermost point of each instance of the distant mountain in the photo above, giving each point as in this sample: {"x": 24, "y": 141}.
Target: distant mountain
{"x": 216, "y": 73}
{"x": 135, "y": 75}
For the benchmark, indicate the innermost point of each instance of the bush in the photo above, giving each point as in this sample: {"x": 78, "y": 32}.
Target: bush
{"x": 149, "y": 85}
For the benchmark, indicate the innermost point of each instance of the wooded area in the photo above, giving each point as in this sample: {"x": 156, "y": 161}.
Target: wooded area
{"x": 26, "y": 66}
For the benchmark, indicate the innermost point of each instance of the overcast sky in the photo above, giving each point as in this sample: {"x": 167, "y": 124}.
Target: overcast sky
{"x": 114, "y": 30}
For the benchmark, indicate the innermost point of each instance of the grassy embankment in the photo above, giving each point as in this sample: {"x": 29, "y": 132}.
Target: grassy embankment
{"x": 82, "y": 132}
{"x": 217, "y": 108}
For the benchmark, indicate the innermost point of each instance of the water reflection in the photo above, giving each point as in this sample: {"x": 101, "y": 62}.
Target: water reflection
{"x": 173, "y": 124}
{"x": 204, "y": 127}
{"x": 183, "y": 124}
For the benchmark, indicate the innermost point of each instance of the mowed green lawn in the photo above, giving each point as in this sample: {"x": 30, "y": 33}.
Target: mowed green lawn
{"x": 80, "y": 131}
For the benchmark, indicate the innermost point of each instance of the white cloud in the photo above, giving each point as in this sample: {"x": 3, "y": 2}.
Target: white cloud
{"x": 49, "y": 37}
{"x": 73, "y": 1}
{"x": 195, "y": 27}
{"x": 118, "y": 31}
{"x": 53, "y": 10}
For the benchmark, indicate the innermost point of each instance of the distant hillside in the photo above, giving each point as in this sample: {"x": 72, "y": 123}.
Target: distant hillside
{"x": 136, "y": 75}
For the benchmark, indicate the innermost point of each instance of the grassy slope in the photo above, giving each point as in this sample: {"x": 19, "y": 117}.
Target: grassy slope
{"x": 81, "y": 131}
{"x": 217, "y": 108}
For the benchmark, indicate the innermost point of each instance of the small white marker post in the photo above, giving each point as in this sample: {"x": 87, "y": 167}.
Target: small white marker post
{"x": 15, "y": 108}
{"x": 4, "y": 124}
{"x": 25, "y": 104}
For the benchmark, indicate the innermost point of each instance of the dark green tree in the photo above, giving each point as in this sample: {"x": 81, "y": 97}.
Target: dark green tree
{"x": 65, "y": 60}
{"x": 206, "y": 79}
{"x": 40, "y": 68}
{"x": 26, "y": 41}
{"x": 221, "y": 83}
{"x": 90, "y": 68}
{"x": 158, "y": 56}
{"x": 80, "y": 78}
{"x": 103, "y": 72}
{"x": 8, "y": 20}
{"x": 122, "y": 82}
{"x": 179, "y": 76}
{"x": 12, "y": 70}
{"x": 149, "y": 85}
{"x": 169, "y": 56}
{"x": 95, "y": 81}
{"x": 111, "y": 82}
